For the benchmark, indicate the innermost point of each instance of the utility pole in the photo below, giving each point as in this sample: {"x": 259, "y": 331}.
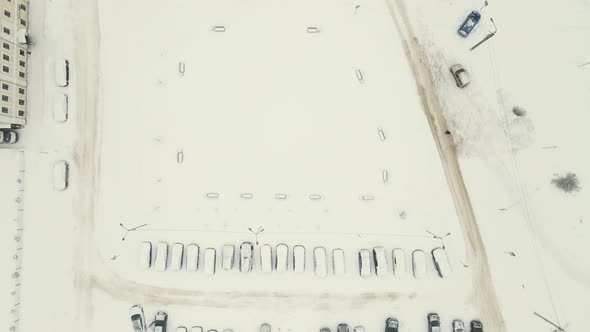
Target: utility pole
{"x": 490, "y": 35}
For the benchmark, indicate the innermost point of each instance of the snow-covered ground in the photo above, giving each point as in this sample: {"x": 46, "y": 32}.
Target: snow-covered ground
{"x": 266, "y": 108}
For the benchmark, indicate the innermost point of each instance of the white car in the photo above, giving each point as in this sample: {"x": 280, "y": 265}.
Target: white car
{"x": 177, "y": 257}
{"x": 192, "y": 257}
{"x": 145, "y": 255}
{"x": 265, "y": 327}
{"x": 246, "y": 254}
{"x": 460, "y": 75}
{"x": 399, "y": 262}
{"x": 299, "y": 259}
{"x": 60, "y": 107}
{"x": 338, "y": 262}
{"x": 62, "y": 72}
{"x": 196, "y": 329}
{"x": 320, "y": 262}
{"x": 359, "y": 329}
{"x": 209, "y": 258}
{"x": 266, "y": 258}
{"x": 228, "y": 253}
{"x": 380, "y": 261}
{"x": 137, "y": 318}
{"x": 161, "y": 260}
{"x": 61, "y": 175}
{"x": 181, "y": 329}
{"x": 419, "y": 264}
{"x": 441, "y": 262}
{"x": 282, "y": 257}
{"x": 364, "y": 263}
{"x": 458, "y": 325}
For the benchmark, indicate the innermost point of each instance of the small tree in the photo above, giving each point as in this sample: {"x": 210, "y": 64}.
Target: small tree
{"x": 568, "y": 183}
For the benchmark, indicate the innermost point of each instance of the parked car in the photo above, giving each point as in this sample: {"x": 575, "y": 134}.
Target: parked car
{"x": 176, "y": 257}
{"x": 61, "y": 175}
{"x": 364, "y": 263}
{"x": 192, "y": 257}
{"x": 196, "y": 329}
{"x": 8, "y": 136}
{"x": 391, "y": 325}
{"x": 441, "y": 262}
{"x": 137, "y": 318}
{"x": 476, "y": 326}
{"x": 359, "y": 329}
{"x": 161, "y": 261}
{"x": 227, "y": 256}
{"x": 266, "y": 258}
{"x": 380, "y": 261}
{"x": 325, "y": 329}
{"x": 433, "y": 322}
{"x": 469, "y": 24}
{"x": 181, "y": 329}
{"x": 145, "y": 255}
{"x": 209, "y": 258}
{"x": 399, "y": 262}
{"x": 320, "y": 262}
{"x": 460, "y": 75}
{"x": 299, "y": 259}
{"x": 160, "y": 321}
{"x": 419, "y": 264}
{"x": 458, "y": 326}
{"x": 246, "y": 253}
{"x": 338, "y": 262}
{"x": 62, "y": 72}
{"x": 265, "y": 327}
{"x": 282, "y": 258}
{"x": 342, "y": 328}
{"x": 60, "y": 107}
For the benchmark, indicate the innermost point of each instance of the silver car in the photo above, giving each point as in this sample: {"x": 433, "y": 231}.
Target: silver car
{"x": 458, "y": 326}
{"x": 137, "y": 318}
{"x": 460, "y": 75}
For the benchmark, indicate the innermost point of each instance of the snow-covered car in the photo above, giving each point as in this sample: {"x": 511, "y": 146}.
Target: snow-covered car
{"x": 460, "y": 75}
{"x": 325, "y": 329}
{"x": 137, "y": 318}
{"x": 391, "y": 325}
{"x": 342, "y": 328}
{"x": 227, "y": 256}
{"x": 320, "y": 262}
{"x": 160, "y": 322}
{"x": 62, "y": 72}
{"x": 145, "y": 255}
{"x": 380, "y": 261}
{"x": 60, "y": 107}
{"x": 419, "y": 264}
{"x": 209, "y": 258}
{"x": 176, "y": 257}
{"x": 399, "y": 262}
{"x": 196, "y": 329}
{"x": 246, "y": 253}
{"x": 161, "y": 260}
{"x": 181, "y": 329}
{"x": 469, "y": 24}
{"x": 265, "y": 327}
{"x": 8, "y": 137}
{"x": 359, "y": 329}
{"x": 364, "y": 263}
{"x": 61, "y": 175}
{"x": 458, "y": 326}
{"x": 266, "y": 258}
{"x": 338, "y": 262}
{"x": 299, "y": 259}
{"x": 476, "y": 326}
{"x": 433, "y": 322}
{"x": 282, "y": 258}
{"x": 192, "y": 257}
{"x": 441, "y": 262}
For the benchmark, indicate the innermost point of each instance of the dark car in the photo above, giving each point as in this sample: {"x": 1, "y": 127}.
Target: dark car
{"x": 433, "y": 322}
{"x": 476, "y": 326}
{"x": 342, "y": 328}
{"x": 469, "y": 23}
{"x": 8, "y": 137}
{"x": 160, "y": 321}
{"x": 391, "y": 325}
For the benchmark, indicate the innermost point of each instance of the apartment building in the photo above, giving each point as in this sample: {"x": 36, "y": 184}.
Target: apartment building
{"x": 13, "y": 62}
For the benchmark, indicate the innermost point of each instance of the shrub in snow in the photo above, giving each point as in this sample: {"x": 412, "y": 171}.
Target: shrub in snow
{"x": 568, "y": 183}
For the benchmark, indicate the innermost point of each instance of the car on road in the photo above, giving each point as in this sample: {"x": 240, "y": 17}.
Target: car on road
{"x": 176, "y": 256}
{"x": 441, "y": 262}
{"x": 460, "y": 75}
{"x": 8, "y": 137}
{"x": 391, "y": 325}
{"x": 246, "y": 253}
{"x": 160, "y": 321}
{"x": 476, "y": 326}
{"x": 342, "y": 328}
{"x": 433, "y": 322}
{"x": 469, "y": 24}
{"x": 137, "y": 318}
{"x": 458, "y": 326}
{"x": 60, "y": 107}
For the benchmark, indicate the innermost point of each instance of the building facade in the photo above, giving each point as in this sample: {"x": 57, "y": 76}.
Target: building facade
{"x": 13, "y": 62}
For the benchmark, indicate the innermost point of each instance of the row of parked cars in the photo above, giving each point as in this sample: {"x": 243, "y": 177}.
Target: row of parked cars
{"x": 282, "y": 259}
{"x": 391, "y": 324}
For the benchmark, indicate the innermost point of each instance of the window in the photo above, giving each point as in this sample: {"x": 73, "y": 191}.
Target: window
{"x": 22, "y": 63}
{"x": 21, "y": 52}
{"x": 21, "y": 91}
{"x": 6, "y": 46}
{"x": 23, "y": 22}
{"x": 6, "y": 30}
{"x": 4, "y": 98}
{"x": 21, "y": 74}
{"x": 4, "y": 109}
{"x": 5, "y": 86}
{"x": 23, "y": 7}
{"x": 21, "y": 113}
{"x": 5, "y": 57}
{"x": 5, "y": 69}
{"x": 21, "y": 102}
{"x": 6, "y": 13}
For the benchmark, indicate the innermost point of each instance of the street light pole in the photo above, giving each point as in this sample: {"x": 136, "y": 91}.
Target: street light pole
{"x": 490, "y": 35}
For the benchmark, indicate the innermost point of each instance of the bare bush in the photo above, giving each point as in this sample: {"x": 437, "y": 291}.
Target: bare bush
{"x": 568, "y": 183}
